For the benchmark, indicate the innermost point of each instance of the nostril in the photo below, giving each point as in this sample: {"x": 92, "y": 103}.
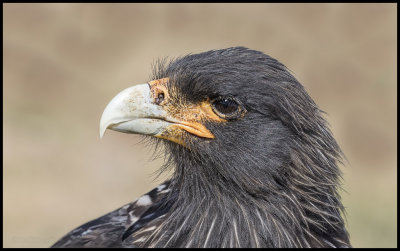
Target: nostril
{"x": 160, "y": 98}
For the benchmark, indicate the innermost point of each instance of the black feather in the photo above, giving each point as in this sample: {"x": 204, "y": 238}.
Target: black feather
{"x": 267, "y": 179}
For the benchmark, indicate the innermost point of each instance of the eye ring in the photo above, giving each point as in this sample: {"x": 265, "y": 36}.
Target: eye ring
{"x": 227, "y": 107}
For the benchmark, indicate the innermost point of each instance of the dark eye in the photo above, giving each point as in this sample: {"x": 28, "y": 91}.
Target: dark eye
{"x": 227, "y": 107}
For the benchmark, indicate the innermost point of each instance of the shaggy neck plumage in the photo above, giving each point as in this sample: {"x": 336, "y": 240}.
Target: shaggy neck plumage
{"x": 301, "y": 210}
{"x": 289, "y": 198}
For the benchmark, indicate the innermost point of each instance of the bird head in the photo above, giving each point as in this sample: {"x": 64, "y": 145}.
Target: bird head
{"x": 243, "y": 137}
{"x": 233, "y": 114}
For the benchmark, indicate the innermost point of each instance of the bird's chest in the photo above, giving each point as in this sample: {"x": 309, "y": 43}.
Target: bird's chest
{"x": 205, "y": 228}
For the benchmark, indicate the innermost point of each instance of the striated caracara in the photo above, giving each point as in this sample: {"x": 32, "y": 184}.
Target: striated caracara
{"x": 254, "y": 162}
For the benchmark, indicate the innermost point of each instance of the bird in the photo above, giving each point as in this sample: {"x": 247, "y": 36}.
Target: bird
{"x": 253, "y": 160}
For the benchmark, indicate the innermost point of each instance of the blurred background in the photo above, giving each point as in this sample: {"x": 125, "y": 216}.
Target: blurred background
{"x": 64, "y": 62}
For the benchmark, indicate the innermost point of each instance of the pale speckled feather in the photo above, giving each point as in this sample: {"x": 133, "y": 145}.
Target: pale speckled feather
{"x": 107, "y": 230}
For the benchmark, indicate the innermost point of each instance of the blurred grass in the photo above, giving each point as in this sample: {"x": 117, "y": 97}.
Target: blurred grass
{"x": 64, "y": 62}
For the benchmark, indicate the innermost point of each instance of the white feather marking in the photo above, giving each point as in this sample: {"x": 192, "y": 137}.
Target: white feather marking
{"x": 256, "y": 238}
{"x": 140, "y": 240}
{"x": 236, "y": 233}
{"x": 288, "y": 238}
{"x": 145, "y": 200}
{"x": 146, "y": 229}
{"x": 164, "y": 191}
{"x": 161, "y": 187}
{"x": 341, "y": 241}
{"x": 246, "y": 219}
{"x": 161, "y": 237}
{"x": 209, "y": 231}
{"x": 267, "y": 218}
{"x": 312, "y": 236}
{"x": 305, "y": 241}
{"x": 278, "y": 231}
{"x": 231, "y": 240}
{"x": 262, "y": 221}
{"x": 178, "y": 231}
{"x": 87, "y": 232}
{"x": 188, "y": 244}
{"x": 330, "y": 244}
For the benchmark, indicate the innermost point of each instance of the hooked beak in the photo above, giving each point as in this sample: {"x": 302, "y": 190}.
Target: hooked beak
{"x": 137, "y": 110}
{"x": 132, "y": 111}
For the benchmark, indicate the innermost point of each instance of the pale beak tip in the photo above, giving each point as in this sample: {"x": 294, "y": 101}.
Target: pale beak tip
{"x": 102, "y": 133}
{"x": 103, "y": 128}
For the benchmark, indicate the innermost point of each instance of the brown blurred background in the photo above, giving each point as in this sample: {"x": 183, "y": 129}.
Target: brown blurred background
{"x": 64, "y": 62}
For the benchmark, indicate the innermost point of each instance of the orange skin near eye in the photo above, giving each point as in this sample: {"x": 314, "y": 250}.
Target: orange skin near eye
{"x": 188, "y": 117}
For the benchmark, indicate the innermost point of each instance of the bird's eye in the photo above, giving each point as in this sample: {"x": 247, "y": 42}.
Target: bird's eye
{"x": 227, "y": 108}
